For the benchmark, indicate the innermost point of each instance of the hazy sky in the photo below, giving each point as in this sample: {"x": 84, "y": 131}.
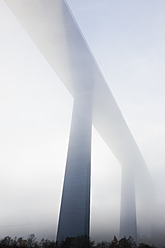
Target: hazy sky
{"x": 127, "y": 39}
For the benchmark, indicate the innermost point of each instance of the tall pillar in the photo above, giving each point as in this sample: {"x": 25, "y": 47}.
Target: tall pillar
{"x": 75, "y": 204}
{"x": 128, "y": 225}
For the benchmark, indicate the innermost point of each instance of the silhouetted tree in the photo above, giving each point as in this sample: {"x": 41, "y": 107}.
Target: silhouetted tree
{"x": 77, "y": 242}
{"x": 114, "y": 243}
{"x": 142, "y": 245}
{"x": 45, "y": 243}
{"x": 31, "y": 241}
{"x": 127, "y": 243}
{"x": 8, "y": 242}
{"x": 21, "y": 242}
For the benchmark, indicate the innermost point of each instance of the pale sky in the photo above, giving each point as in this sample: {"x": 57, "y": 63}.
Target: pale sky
{"x": 127, "y": 39}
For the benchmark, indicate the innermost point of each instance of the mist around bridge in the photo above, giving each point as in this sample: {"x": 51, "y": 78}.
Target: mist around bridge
{"x": 127, "y": 40}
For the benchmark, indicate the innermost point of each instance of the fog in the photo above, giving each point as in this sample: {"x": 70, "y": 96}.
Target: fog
{"x": 127, "y": 41}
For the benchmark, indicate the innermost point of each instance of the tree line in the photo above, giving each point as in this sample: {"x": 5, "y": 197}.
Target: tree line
{"x": 75, "y": 242}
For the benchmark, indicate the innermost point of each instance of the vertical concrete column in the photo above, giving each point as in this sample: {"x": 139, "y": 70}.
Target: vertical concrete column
{"x": 75, "y": 205}
{"x": 128, "y": 225}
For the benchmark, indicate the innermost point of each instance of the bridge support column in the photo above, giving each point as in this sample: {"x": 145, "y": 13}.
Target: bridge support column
{"x": 128, "y": 225}
{"x": 75, "y": 204}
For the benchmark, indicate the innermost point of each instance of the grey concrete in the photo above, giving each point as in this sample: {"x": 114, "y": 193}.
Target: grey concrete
{"x": 75, "y": 205}
{"x": 128, "y": 226}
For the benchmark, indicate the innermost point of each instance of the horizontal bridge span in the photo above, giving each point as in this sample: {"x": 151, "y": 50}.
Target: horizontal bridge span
{"x": 53, "y": 29}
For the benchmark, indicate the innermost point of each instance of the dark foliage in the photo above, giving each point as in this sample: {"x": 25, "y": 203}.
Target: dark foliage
{"x": 70, "y": 242}
{"x": 127, "y": 243}
{"x": 142, "y": 245}
{"x": 78, "y": 242}
{"x": 45, "y": 243}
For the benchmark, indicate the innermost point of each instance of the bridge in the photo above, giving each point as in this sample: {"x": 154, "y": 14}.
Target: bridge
{"x": 54, "y": 30}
